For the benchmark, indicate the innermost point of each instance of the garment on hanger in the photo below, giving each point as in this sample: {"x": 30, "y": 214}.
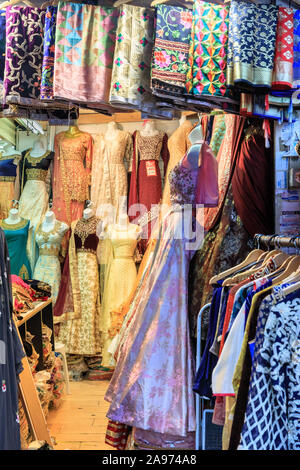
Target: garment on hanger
{"x": 112, "y": 158}
{"x": 24, "y": 54}
{"x": 171, "y": 47}
{"x": 9, "y": 185}
{"x": 78, "y": 302}
{"x": 11, "y": 356}
{"x": 284, "y": 50}
{"x": 16, "y": 236}
{"x": 156, "y": 309}
{"x": 146, "y": 179}
{"x": 251, "y": 46}
{"x": 71, "y": 176}
{"x": 80, "y": 62}
{"x": 120, "y": 279}
{"x": 47, "y": 268}
{"x": 48, "y": 54}
{"x": 130, "y": 81}
{"x": 208, "y": 50}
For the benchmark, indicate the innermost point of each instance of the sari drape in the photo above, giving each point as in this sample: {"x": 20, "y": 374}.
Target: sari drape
{"x": 49, "y": 50}
{"x": 284, "y": 53}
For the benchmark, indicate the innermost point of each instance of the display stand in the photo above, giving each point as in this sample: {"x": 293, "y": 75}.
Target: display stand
{"x": 34, "y": 318}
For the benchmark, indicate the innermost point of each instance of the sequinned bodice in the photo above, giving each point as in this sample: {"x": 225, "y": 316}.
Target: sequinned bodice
{"x": 49, "y": 242}
{"x": 149, "y": 146}
{"x": 85, "y": 235}
{"x": 183, "y": 182}
{"x": 35, "y": 168}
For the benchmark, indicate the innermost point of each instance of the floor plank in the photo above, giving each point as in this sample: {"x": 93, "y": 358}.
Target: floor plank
{"x": 80, "y": 422}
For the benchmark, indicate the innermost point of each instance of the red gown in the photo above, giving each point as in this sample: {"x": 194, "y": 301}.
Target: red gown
{"x": 145, "y": 192}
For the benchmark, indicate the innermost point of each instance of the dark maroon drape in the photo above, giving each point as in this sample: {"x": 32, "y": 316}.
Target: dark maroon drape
{"x": 252, "y": 185}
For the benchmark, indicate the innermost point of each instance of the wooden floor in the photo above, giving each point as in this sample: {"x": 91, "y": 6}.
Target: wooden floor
{"x": 80, "y": 422}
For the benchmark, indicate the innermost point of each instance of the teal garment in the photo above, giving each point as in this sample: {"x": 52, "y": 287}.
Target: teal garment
{"x": 16, "y": 236}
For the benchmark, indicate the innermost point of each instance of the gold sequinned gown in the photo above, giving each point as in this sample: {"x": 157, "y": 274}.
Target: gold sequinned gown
{"x": 80, "y": 307}
{"x": 47, "y": 268}
{"x": 120, "y": 280}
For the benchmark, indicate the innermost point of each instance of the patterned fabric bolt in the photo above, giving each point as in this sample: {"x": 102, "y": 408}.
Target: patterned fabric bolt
{"x": 49, "y": 49}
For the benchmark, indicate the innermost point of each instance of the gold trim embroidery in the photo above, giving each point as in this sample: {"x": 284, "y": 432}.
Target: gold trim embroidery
{"x": 16, "y": 226}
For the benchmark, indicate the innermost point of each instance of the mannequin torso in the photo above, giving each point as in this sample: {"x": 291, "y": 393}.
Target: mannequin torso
{"x": 149, "y": 129}
{"x": 13, "y": 217}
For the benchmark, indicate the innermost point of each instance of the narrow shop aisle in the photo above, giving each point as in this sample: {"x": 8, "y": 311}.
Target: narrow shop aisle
{"x": 80, "y": 422}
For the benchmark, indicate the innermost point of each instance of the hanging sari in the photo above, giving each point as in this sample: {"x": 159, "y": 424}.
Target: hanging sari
{"x": 208, "y": 50}
{"x": 130, "y": 83}
{"x": 84, "y": 49}
{"x": 2, "y": 51}
{"x": 251, "y": 45}
{"x": 296, "y": 64}
{"x": 49, "y": 49}
{"x": 24, "y": 54}
{"x": 171, "y": 47}
{"x": 284, "y": 54}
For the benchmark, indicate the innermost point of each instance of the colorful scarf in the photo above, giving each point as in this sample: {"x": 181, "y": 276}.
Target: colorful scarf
{"x": 49, "y": 49}
{"x": 284, "y": 54}
{"x": 296, "y": 65}
{"x": 24, "y": 54}
{"x": 208, "y": 50}
{"x": 171, "y": 47}
{"x": 251, "y": 45}
{"x": 130, "y": 83}
{"x": 84, "y": 49}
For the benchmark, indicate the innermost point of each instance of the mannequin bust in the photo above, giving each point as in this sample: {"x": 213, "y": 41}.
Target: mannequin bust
{"x": 123, "y": 229}
{"x": 196, "y": 139}
{"x": 39, "y": 147}
{"x": 149, "y": 128}
{"x": 13, "y": 217}
{"x": 182, "y": 119}
{"x": 112, "y": 130}
{"x": 49, "y": 222}
{"x": 88, "y": 211}
{"x": 73, "y": 131}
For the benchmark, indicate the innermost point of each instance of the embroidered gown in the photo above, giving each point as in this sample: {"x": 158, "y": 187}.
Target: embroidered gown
{"x": 47, "y": 268}
{"x": 79, "y": 295}
{"x": 146, "y": 180}
{"x": 109, "y": 172}
{"x": 16, "y": 236}
{"x": 151, "y": 388}
{"x": 34, "y": 197}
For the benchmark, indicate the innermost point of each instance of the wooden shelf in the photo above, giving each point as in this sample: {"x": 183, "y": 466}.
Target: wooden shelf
{"x": 31, "y": 313}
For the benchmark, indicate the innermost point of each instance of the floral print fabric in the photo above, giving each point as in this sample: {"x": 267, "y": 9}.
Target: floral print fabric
{"x": 251, "y": 45}
{"x": 130, "y": 84}
{"x": 284, "y": 54}
{"x": 208, "y": 50}
{"x": 171, "y": 47}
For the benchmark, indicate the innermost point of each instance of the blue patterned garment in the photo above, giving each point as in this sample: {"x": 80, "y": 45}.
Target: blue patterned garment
{"x": 49, "y": 54}
{"x": 272, "y": 420}
{"x": 2, "y": 51}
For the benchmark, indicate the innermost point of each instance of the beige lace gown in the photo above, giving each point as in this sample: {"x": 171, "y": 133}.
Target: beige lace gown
{"x": 111, "y": 162}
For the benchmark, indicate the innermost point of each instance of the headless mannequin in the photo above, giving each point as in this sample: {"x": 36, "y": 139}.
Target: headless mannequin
{"x": 123, "y": 229}
{"x": 112, "y": 131}
{"x": 193, "y": 154}
{"x": 182, "y": 119}
{"x": 49, "y": 221}
{"x": 149, "y": 128}
{"x": 13, "y": 217}
{"x": 73, "y": 131}
{"x": 39, "y": 147}
{"x": 87, "y": 213}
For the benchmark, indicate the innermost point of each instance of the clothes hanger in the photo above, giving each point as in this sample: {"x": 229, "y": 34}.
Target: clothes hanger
{"x": 252, "y": 257}
{"x": 118, "y": 3}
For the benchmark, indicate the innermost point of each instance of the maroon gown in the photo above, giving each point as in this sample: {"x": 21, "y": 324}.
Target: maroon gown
{"x": 146, "y": 181}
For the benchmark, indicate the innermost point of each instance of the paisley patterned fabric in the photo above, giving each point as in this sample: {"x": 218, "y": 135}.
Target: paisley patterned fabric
{"x": 49, "y": 49}
{"x": 251, "y": 45}
{"x": 272, "y": 419}
{"x": 208, "y": 50}
{"x": 130, "y": 83}
{"x": 171, "y": 47}
{"x": 24, "y": 54}
{"x": 84, "y": 49}
{"x": 284, "y": 54}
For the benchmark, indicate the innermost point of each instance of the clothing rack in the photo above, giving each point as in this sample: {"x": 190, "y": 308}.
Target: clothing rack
{"x": 277, "y": 241}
